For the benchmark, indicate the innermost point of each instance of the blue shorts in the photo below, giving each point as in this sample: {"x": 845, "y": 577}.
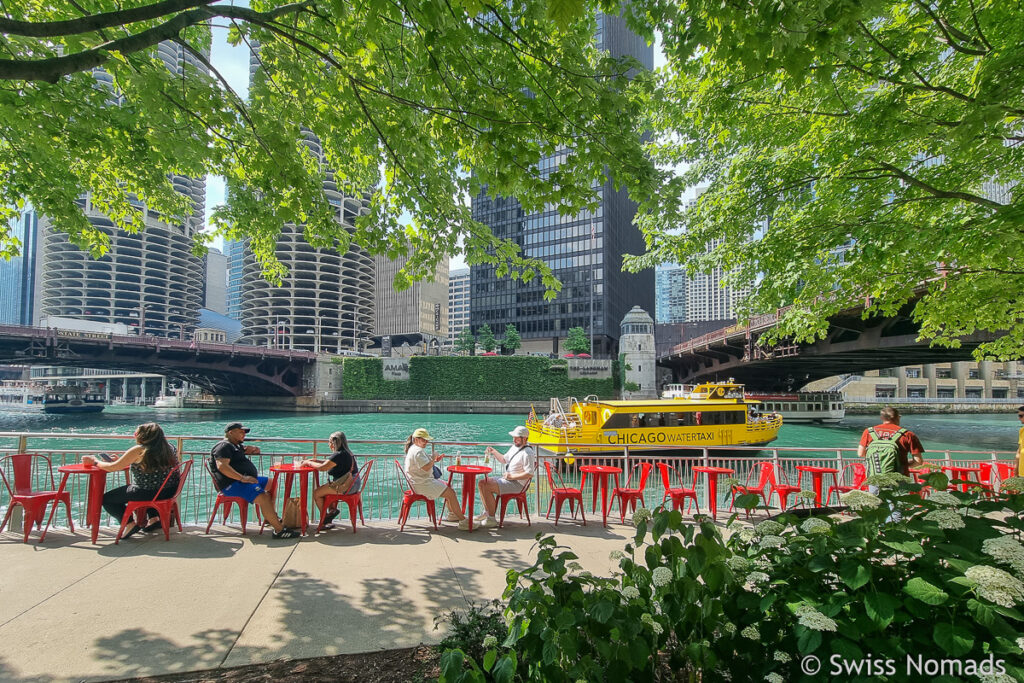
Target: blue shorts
{"x": 250, "y": 492}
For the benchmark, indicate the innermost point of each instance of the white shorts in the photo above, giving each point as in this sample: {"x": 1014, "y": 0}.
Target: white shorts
{"x": 431, "y": 489}
{"x": 505, "y": 486}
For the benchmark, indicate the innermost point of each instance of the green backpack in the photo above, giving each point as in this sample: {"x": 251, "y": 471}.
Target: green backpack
{"x": 883, "y": 455}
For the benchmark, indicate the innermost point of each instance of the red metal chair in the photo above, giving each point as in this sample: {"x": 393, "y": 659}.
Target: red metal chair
{"x": 409, "y": 497}
{"x": 226, "y": 502}
{"x": 764, "y": 470}
{"x": 988, "y": 486}
{"x": 783, "y": 490}
{"x": 520, "y": 498}
{"x": 165, "y": 508}
{"x": 679, "y": 493}
{"x": 33, "y": 503}
{"x": 354, "y": 501}
{"x": 628, "y": 497}
{"x": 1006, "y": 470}
{"x": 562, "y": 493}
{"x": 860, "y": 473}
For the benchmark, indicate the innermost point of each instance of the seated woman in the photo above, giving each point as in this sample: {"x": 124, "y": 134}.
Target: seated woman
{"x": 419, "y": 467}
{"x": 150, "y": 460}
{"x": 342, "y": 469}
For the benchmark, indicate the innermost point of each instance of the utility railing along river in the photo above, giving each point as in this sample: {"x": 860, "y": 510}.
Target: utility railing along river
{"x": 382, "y": 495}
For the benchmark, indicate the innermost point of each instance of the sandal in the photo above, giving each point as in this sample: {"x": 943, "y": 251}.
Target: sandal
{"x": 131, "y": 532}
{"x": 152, "y": 526}
{"x": 330, "y": 516}
{"x": 286, "y": 533}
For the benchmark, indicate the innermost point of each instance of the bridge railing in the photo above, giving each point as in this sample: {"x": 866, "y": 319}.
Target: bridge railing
{"x": 382, "y": 494}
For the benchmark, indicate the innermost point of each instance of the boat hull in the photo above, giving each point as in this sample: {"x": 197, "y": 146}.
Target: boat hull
{"x": 73, "y": 410}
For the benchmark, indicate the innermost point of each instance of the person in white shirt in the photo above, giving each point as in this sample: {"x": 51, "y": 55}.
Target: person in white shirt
{"x": 520, "y": 463}
{"x": 419, "y": 466}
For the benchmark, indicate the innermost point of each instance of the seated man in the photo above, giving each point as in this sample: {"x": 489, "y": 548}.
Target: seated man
{"x": 236, "y": 476}
{"x": 520, "y": 464}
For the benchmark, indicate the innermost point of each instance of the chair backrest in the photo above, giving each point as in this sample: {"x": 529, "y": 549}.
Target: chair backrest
{"x": 20, "y": 466}
{"x": 182, "y": 469}
{"x": 213, "y": 475}
{"x": 1006, "y": 470}
{"x": 666, "y": 480}
{"x": 860, "y": 473}
{"x": 985, "y": 472}
{"x": 404, "y": 476}
{"x": 364, "y": 472}
{"x": 552, "y": 475}
{"x": 645, "y": 471}
{"x": 766, "y": 473}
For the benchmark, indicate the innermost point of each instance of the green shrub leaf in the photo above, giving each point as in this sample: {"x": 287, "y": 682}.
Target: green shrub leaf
{"x": 955, "y": 641}
{"x": 854, "y": 574}
{"x": 926, "y": 592}
{"x": 881, "y": 608}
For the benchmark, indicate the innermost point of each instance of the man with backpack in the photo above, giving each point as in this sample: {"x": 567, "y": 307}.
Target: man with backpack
{"x": 885, "y": 448}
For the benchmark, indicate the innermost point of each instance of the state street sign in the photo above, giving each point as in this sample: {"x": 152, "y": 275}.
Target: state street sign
{"x": 589, "y": 368}
{"x": 396, "y": 368}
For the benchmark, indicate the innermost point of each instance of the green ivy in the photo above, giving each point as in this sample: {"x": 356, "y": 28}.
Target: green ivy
{"x": 490, "y": 378}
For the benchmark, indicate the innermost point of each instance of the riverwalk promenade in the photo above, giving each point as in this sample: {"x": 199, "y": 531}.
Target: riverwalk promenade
{"x": 73, "y": 611}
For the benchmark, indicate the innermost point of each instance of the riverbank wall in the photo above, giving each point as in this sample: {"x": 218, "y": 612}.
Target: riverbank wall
{"x": 911, "y": 408}
{"x": 343, "y": 406}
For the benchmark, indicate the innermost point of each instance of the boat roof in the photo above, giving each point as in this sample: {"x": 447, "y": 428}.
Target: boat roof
{"x": 663, "y": 403}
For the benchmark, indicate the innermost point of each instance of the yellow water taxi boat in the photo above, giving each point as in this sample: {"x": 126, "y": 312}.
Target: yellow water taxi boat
{"x": 710, "y": 414}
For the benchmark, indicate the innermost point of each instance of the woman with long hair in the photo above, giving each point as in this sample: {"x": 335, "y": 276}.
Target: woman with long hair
{"x": 150, "y": 460}
{"x": 343, "y": 470}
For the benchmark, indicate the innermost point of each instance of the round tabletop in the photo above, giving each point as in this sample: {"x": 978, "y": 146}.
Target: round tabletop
{"x": 601, "y": 469}
{"x": 469, "y": 469}
{"x": 817, "y": 469}
{"x": 714, "y": 470}
{"x": 286, "y": 467}
{"x": 79, "y": 468}
{"x": 961, "y": 468}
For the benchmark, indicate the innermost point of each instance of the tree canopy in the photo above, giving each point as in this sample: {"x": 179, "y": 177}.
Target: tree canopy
{"x": 577, "y": 341}
{"x": 852, "y": 152}
{"x": 418, "y": 103}
{"x": 465, "y": 341}
{"x": 512, "y": 340}
{"x": 487, "y": 340}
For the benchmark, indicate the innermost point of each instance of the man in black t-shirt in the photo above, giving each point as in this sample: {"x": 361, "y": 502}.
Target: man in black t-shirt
{"x": 237, "y": 476}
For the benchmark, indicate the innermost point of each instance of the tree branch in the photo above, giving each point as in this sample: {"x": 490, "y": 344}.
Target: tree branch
{"x": 97, "y": 22}
{"x": 936, "y": 192}
{"x": 948, "y": 32}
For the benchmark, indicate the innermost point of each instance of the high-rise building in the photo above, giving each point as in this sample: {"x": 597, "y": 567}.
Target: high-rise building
{"x": 584, "y": 251}
{"x": 215, "y": 291}
{"x": 458, "y": 302}
{"x": 417, "y": 314}
{"x": 670, "y": 294}
{"x": 708, "y": 299}
{"x": 234, "y": 251}
{"x": 18, "y": 275}
{"x": 326, "y": 300}
{"x": 150, "y": 280}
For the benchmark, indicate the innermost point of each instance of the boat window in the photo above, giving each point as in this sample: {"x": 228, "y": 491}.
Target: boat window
{"x": 618, "y": 421}
{"x": 724, "y": 417}
{"x": 588, "y": 417}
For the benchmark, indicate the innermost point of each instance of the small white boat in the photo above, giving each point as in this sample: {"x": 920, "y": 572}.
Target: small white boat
{"x": 821, "y": 407}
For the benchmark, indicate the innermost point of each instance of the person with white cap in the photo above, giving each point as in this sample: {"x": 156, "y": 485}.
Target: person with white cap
{"x": 520, "y": 463}
{"x": 419, "y": 467}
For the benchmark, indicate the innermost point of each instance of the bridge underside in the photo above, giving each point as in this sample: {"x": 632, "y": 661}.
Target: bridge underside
{"x": 219, "y": 372}
{"x": 851, "y": 346}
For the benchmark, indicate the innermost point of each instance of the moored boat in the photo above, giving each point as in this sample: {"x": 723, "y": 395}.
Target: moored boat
{"x": 72, "y": 400}
{"x": 821, "y": 407}
{"x": 710, "y": 414}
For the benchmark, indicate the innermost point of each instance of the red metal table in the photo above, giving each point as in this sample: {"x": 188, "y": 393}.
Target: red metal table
{"x": 600, "y": 474}
{"x": 962, "y": 472}
{"x": 469, "y": 474}
{"x": 289, "y": 470}
{"x": 817, "y": 473}
{"x": 94, "y": 505}
{"x": 712, "y": 474}
{"x": 918, "y": 472}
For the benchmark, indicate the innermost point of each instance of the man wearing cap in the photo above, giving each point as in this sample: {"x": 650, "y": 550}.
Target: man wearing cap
{"x": 520, "y": 463}
{"x": 419, "y": 467}
{"x": 237, "y": 476}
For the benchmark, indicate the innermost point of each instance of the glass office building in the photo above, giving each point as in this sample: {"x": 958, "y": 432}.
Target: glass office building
{"x": 18, "y": 275}
{"x": 584, "y": 251}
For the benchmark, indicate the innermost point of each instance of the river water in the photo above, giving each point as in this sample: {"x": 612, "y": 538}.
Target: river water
{"x": 937, "y": 432}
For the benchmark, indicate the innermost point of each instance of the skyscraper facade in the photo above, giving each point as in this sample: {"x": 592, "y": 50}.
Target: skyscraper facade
{"x": 584, "y": 251}
{"x": 416, "y": 314}
{"x": 458, "y": 302}
{"x": 234, "y": 250}
{"x": 215, "y": 291}
{"x": 18, "y": 275}
{"x": 150, "y": 280}
{"x": 670, "y": 294}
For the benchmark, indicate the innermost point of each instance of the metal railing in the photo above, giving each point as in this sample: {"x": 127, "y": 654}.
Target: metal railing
{"x": 382, "y": 493}
{"x": 925, "y": 401}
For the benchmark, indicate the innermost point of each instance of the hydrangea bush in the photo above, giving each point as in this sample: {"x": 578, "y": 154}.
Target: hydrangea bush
{"x": 945, "y": 582}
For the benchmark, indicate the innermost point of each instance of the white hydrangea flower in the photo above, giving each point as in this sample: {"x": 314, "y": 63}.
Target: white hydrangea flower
{"x": 1006, "y": 550}
{"x": 641, "y": 514}
{"x": 815, "y": 525}
{"x": 656, "y": 605}
{"x": 807, "y": 495}
{"x": 746, "y": 535}
{"x": 995, "y": 585}
{"x": 860, "y": 500}
{"x": 946, "y": 519}
{"x": 769, "y": 527}
{"x": 661, "y": 576}
{"x": 655, "y": 626}
{"x": 758, "y": 577}
{"x": 1012, "y": 484}
{"x": 888, "y": 480}
{"x": 781, "y": 656}
{"x": 630, "y": 593}
{"x": 944, "y": 498}
{"x": 751, "y": 632}
{"x": 490, "y": 641}
{"x": 774, "y": 678}
{"x": 730, "y": 628}
{"x": 813, "y": 619}
{"x": 995, "y": 678}
{"x": 738, "y": 564}
{"x": 772, "y": 541}
{"x": 1020, "y": 644}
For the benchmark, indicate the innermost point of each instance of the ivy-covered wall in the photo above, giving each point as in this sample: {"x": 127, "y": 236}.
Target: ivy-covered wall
{"x": 488, "y": 378}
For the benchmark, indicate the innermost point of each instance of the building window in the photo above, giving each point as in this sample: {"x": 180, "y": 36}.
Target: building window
{"x": 999, "y": 393}
{"x": 916, "y": 392}
{"x": 946, "y": 392}
{"x": 973, "y": 373}
{"x": 943, "y": 373}
{"x": 914, "y": 372}
{"x": 885, "y": 392}
{"x": 973, "y": 392}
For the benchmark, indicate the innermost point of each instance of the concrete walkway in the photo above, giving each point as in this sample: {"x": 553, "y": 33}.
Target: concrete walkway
{"x": 71, "y": 611}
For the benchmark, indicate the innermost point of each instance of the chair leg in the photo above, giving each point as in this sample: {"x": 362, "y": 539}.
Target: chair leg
{"x": 432, "y": 511}
{"x": 29, "y": 519}
{"x": 526, "y": 508}
{"x": 352, "y": 508}
{"x": 558, "y": 509}
{"x": 501, "y": 518}
{"x": 213, "y": 516}
{"x": 243, "y": 515}
{"x": 583, "y": 515}
{"x": 67, "y": 509}
{"x": 10, "y": 509}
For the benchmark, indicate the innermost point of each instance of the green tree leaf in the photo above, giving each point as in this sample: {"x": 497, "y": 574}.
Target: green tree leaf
{"x": 925, "y": 592}
{"x": 955, "y": 641}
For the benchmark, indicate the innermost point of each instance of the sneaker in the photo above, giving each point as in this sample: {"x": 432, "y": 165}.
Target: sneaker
{"x": 330, "y": 516}
{"x": 286, "y": 533}
{"x": 488, "y": 523}
{"x": 480, "y": 518}
{"x": 452, "y": 517}
{"x": 464, "y": 524}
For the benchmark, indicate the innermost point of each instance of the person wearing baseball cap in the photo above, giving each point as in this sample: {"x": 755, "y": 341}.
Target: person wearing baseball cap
{"x": 419, "y": 467}
{"x": 520, "y": 463}
{"x": 237, "y": 476}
